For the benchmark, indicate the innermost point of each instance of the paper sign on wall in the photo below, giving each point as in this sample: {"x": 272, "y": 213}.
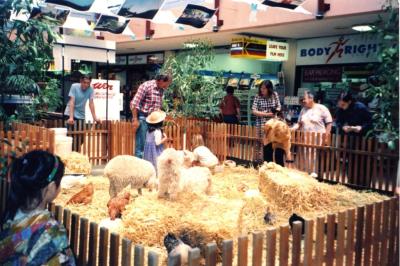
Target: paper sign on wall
{"x": 277, "y": 51}
{"x": 114, "y": 100}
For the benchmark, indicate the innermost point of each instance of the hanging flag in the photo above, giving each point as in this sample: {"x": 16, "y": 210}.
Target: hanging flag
{"x": 81, "y": 5}
{"x": 170, "y": 4}
{"x": 111, "y": 24}
{"x": 294, "y": 5}
{"x": 196, "y": 16}
{"x": 146, "y": 9}
{"x": 44, "y": 12}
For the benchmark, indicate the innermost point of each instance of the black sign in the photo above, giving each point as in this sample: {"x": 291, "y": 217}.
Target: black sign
{"x": 322, "y": 74}
{"x": 283, "y": 3}
{"x": 196, "y": 16}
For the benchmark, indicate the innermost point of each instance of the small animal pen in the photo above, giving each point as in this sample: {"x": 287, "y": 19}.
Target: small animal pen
{"x": 365, "y": 235}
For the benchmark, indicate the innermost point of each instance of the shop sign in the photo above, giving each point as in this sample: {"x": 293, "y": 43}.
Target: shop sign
{"x": 337, "y": 50}
{"x": 100, "y": 95}
{"x": 120, "y": 60}
{"x": 277, "y": 51}
{"x": 155, "y": 58}
{"x": 322, "y": 74}
{"x": 137, "y": 59}
{"x": 248, "y": 48}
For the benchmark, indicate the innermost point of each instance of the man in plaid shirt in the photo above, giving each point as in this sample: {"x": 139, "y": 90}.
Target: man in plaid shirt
{"x": 147, "y": 99}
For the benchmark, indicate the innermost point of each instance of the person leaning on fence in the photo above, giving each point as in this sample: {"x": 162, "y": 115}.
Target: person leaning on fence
{"x": 79, "y": 94}
{"x": 147, "y": 99}
{"x": 352, "y": 117}
{"x": 265, "y": 106}
{"x": 29, "y": 234}
{"x": 230, "y": 107}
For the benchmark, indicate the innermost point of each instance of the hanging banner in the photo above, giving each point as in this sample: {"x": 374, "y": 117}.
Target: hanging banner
{"x": 111, "y": 24}
{"x": 196, "y": 16}
{"x": 146, "y": 9}
{"x": 100, "y": 93}
{"x": 294, "y": 5}
{"x": 277, "y": 51}
{"x": 248, "y": 48}
{"x": 81, "y": 5}
{"x": 42, "y": 12}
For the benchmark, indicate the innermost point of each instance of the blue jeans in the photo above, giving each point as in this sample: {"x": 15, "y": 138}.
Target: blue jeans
{"x": 140, "y": 137}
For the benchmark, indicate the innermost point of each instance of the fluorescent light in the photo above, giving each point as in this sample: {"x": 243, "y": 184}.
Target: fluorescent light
{"x": 190, "y": 45}
{"x": 362, "y": 28}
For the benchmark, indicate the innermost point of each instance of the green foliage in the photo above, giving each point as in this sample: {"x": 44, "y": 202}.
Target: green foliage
{"x": 386, "y": 117}
{"x": 25, "y": 50}
{"x": 190, "y": 94}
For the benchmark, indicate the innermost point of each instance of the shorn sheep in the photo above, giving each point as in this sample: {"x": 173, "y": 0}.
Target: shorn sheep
{"x": 124, "y": 170}
{"x": 174, "y": 178}
{"x": 277, "y": 132}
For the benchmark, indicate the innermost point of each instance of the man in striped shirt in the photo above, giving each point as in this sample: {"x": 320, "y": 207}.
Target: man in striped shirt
{"x": 147, "y": 99}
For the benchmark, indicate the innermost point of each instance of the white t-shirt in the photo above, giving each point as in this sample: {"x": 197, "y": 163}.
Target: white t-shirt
{"x": 158, "y": 136}
{"x": 315, "y": 119}
{"x": 205, "y": 156}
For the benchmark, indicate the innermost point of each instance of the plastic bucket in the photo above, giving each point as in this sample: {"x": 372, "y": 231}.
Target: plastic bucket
{"x": 63, "y": 145}
{"x": 59, "y": 131}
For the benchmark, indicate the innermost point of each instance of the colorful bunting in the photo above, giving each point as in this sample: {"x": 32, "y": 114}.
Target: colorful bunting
{"x": 196, "y": 16}
{"x": 81, "y": 5}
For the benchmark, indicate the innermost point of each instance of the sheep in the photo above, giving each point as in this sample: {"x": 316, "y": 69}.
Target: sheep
{"x": 175, "y": 178}
{"x": 124, "y": 170}
{"x": 278, "y": 132}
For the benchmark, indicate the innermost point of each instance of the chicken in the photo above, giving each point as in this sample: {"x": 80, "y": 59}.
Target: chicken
{"x": 297, "y": 218}
{"x": 117, "y": 205}
{"x": 175, "y": 246}
{"x": 84, "y": 196}
{"x": 269, "y": 218}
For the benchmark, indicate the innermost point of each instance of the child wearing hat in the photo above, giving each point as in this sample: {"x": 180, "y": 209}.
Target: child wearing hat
{"x": 155, "y": 137}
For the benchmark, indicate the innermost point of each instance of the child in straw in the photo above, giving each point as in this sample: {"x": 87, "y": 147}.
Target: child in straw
{"x": 155, "y": 137}
{"x": 203, "y": 155}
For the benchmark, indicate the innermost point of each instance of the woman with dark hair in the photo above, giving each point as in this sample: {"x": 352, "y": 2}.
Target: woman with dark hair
{"x": 29, "y": 234}
{"x": 352, "y": 117}
{"x": 265, "y": 106}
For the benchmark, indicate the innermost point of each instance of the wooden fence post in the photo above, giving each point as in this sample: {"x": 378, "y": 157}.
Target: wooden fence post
{"x": 75, "y": 233}
{"x": 296, "y": 243}
{"x": 194, "y": 257}
{"x": 227, "y": 252}
{"x": 126, "y": 252}
{"x": 139, "y": 255}
{"x": 211, "y": 254}
{"x": 93, "y": 243}
{"x": 257, "y": 248}
{"x": 242, "y": 251}
{"x": 83, "y": 241}
{"x": 308, "y": 243}
{"x": 152, "y": 259}
{"x": 114, "y": 249}
{"x": 283, "y": 245}
{"x": 271, "y": 247}
{"x": 103, "y": 246}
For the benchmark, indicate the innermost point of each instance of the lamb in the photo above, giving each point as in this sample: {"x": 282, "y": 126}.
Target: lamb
{"x": 278, "y": 132}
{"x": 174, "y": 178}
{"x": 124, "y": 170}
{"x": 117, "y": 205}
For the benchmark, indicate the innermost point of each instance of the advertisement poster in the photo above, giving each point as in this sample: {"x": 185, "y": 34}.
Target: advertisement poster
{"x": 196, "y": 16}
{"x": 111, "y": 24}
{"x": 81, "y": 5}
{"x": 290, "y": 4}
{"x": 114, "y": 100}
{"x": 53, "y": 13}
{"x": 146, "y": 9}
{"x": 277, "y": 51}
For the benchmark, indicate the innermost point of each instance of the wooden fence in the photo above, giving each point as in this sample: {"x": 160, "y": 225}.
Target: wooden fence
{"x": 367, "y": 235}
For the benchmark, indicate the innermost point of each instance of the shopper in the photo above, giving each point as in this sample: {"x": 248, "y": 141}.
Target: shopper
{"x": 79, "y": 94}
{"x": 230, "y": 107}
{"x": 314, "y": 117}
{"x": 147, "y": 99}
{"x": 352, "y": 117}
{"x": 265, "y": 106}
{"x": 155, "y": 137}
{"x": 29, "y": 234}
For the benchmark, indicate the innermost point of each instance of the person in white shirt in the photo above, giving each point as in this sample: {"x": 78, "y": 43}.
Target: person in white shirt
{"x": 203, "y": 155}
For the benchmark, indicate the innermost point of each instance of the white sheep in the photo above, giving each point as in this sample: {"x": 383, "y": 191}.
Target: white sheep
{"x": 124, "y": 170}
{"x": 173, "y": 177}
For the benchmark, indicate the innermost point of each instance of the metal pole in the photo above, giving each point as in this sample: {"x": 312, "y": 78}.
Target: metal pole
{"x": 63, "y": 82}
{"x": 108, "y": 132}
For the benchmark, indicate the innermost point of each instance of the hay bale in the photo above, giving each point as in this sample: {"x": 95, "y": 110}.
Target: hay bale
{"x": 292, "y": 190}
{"x": 76, "y": 163}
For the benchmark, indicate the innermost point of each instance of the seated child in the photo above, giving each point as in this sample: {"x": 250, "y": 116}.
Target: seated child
{"x": 155, "y": 137}
{"x": 203, "y": 155}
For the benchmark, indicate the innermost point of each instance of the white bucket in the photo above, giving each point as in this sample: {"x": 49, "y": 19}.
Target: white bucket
{"x": 59, "y": 131}
{"x": 63, "y": 145}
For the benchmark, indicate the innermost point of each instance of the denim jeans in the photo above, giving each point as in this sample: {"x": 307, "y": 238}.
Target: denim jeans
{"x": 140, "y": 137}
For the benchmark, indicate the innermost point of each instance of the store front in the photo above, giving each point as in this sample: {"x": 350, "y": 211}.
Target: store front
{"x": 328, "y": 66}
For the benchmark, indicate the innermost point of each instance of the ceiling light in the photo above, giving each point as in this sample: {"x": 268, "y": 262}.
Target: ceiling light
{"x": 190, "y": 45}
{"x": 362, "y": 28}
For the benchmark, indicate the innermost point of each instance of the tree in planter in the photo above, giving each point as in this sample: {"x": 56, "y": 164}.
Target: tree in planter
{"x": 25, "y": 52}
{"x": 386, "y": 82}
{"x": 191, "y": 94}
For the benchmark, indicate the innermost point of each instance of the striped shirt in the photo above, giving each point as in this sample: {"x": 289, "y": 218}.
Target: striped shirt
{"x": 263, "y": 104}
{"x": 148, "y": 97}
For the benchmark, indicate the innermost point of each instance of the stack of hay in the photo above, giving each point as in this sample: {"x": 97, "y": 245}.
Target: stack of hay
{"x": 292, "y": 190}
{"x": 76, "y": 163}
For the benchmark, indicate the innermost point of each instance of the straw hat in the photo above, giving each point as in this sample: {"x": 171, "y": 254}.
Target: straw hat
{"x": 156, "y": 117}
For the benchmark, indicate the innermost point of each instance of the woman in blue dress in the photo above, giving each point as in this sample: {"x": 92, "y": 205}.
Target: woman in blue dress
{"x": 155, "y": 137}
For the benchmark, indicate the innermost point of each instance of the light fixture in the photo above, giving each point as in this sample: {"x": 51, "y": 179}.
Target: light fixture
{"x": 190, "y": 45}
{"x": 362, "y": 28}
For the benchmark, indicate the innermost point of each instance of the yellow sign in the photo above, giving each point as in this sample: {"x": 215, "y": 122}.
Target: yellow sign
{"x": 248, "y": 48}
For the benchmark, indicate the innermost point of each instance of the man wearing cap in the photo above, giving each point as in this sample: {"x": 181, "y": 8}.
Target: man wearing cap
{"x": 147, "y": 99}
